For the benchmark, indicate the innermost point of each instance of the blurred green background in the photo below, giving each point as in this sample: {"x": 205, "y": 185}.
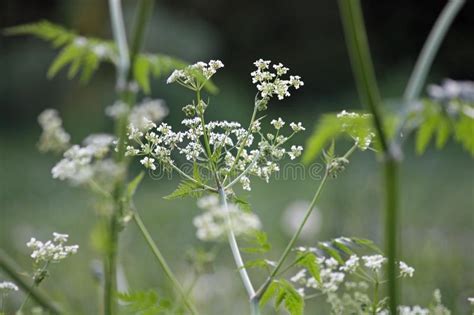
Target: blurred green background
{"x": 437, "y": 188}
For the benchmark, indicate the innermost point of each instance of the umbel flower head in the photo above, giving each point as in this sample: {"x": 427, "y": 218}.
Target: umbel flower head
{"x": 226, "y": 148}
{"x": 212, "y": 225}
{"x": 53, "y": 250}
{"x": 6, "y": 287}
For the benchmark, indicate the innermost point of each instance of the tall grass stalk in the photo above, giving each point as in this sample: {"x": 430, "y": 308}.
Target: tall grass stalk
{"x": 361, "y": 61}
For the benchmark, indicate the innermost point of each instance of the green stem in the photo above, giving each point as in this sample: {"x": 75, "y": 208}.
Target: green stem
{"x": 8, "y": 265}
{"x": 293, "y": 240}
{"x": 162, "y": 262}
{"x": 356, "y": 38}
{"x": 430, "y": 48}
{"x": 376, "y": 298}
{"x": 254, "y": 307}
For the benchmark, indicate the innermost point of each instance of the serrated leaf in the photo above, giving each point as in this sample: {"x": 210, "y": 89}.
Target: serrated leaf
{"x": 271, "y": 292}
{"x": 294, "y": 302}
{"x": 54, "y": 33}
{"x": 259, "y": 238}
{"x": 464, "y": 132}
{"x": 425, "y": 133}
{"x": 70, "y": 53}
{"x": 309, "y": 261}
{"x": 341, "y": 244}
{"x": 366, "y": 243}
{"x": 142, "y": 303}
{"x": 141, "y": 72}
{"x": 442, "y": 132}
{"x": 256, "y": 263}
{"x": 185, "y": 189}
{"x": 326, "y": 129}
{"x": 331, "y": 251}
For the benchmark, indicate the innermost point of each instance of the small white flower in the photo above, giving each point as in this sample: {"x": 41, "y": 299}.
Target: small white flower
{"x": 297, "y": 127}
{"x": 245, "y": 181}
{"x": 351, "y": 264}
{"x": 52, "y": 250}
{"x": 406, "y": 270}
{"x": 148, "y": 163}
{"x": 471, "y": 300}
{"x": 295, "y": 152}
{"x": 278, "y": 124}
{"x": 374, "y": 262}
{"x": 7, "y": 287}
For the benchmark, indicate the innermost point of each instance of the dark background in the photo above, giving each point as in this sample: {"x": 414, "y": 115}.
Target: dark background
{"x": 437, "y": 216}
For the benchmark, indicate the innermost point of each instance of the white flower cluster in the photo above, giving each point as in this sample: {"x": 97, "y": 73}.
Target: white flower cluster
{"x": 350, "y": 123}
{"x": 333, "y": 274}
{"x": 81, "y": 163}
{"x": 212, "y": 225}
{"x": 225, "y": 138}
{"x": 451, "y": 89}
{"x": 53, "y": 138}
{"x": 269, "y": 81}
{"x": 52, "y": 250}
{"x": 195, "y": 75}
{"x": 7, "y": 287}
{"x": 150, "y": 110}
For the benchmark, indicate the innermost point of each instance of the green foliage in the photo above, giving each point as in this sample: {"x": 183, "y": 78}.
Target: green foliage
{"x": 155, "y": 65}
{"x": 259, "y": 240}
{"x": 309, "y": 261}
{"x": 435, "y": 122}
{"x": 330, "y": 127}
{"x": 133, "y": 185}
{"x": 185, "y": 189}
{"x": 45, "y": 30}
{"x": 284, "y": 293}
{"x": 144, "y": 303}
{"x": 82, "y": 54}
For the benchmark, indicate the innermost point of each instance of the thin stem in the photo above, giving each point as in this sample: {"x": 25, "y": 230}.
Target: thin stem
{"x": 242, "y": 145}
{"x": 376, "y": 297}
{"x": 251, "y": 165}
{"x": 8, "y": 265}
{"x": 192, "y": 179}
{"x": 430, "y": 48}
{"x": 162, "y": 262}
{"x": 357, "y": 44}
{"x": 235, "y": 247}
{"x": 118, "y": 28}
{"x": 293, "y": 240}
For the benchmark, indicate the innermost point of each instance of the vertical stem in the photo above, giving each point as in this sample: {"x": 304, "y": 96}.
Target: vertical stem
{"x": 430, "y": 48}
{"x": 163, "y": 264}
{"x": 256, "y": 298}
{"x": 235, "y": 247}
{"x": 356, "y": 38}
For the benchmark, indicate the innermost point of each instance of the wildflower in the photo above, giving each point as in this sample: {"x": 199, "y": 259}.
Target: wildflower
{"x": 295, "y": 151}
{"x": 148, "y": 163}
{"x": 451, "y": 89}
{"x": 300, "y": 277}
{"x": 99, "y": 144}
{"x": 190, "y": 76}
{"x": 53, "y": 250}
{"x": 7, "y": 287}
{"x": 351, "y": 264}
{"x": 374, "y": 262}
{"x": 53, "y": 138}
{"x": 278, "y": 124}
{"x": 118, "y": 109}
{"x": 297, "y": 127}
{"x": 144, "y": 115}
{"x": 212, "y": 225}
{"x": 406, "y": 270}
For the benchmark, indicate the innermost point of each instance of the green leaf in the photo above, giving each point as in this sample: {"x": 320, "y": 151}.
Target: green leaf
{"x": 133, "y": 185}
{"x": 256, "y": 263}
{"x": 271, "y": 292}
{"x": 464, "y": 132}
{"x": 294, "y": 302}
{"x": 342, "y": 244}
{"x": 309, "y": 261}
{"x": 185, "y": 189}
{"x": 243, "y": 204}
{"x": 143, "y": 303}
{"x": 68, "y": 54}
{"x": 443, "y": 132}
{"x": 260, "y": 239}
{"x": 425, "y": 133}
{"x": 331, "y": 251}
{"x": 366, "y": 243}
{"x": 45, "y": 30}
{"x": 326, "y": 129}
{"x": 141, "y": 72}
